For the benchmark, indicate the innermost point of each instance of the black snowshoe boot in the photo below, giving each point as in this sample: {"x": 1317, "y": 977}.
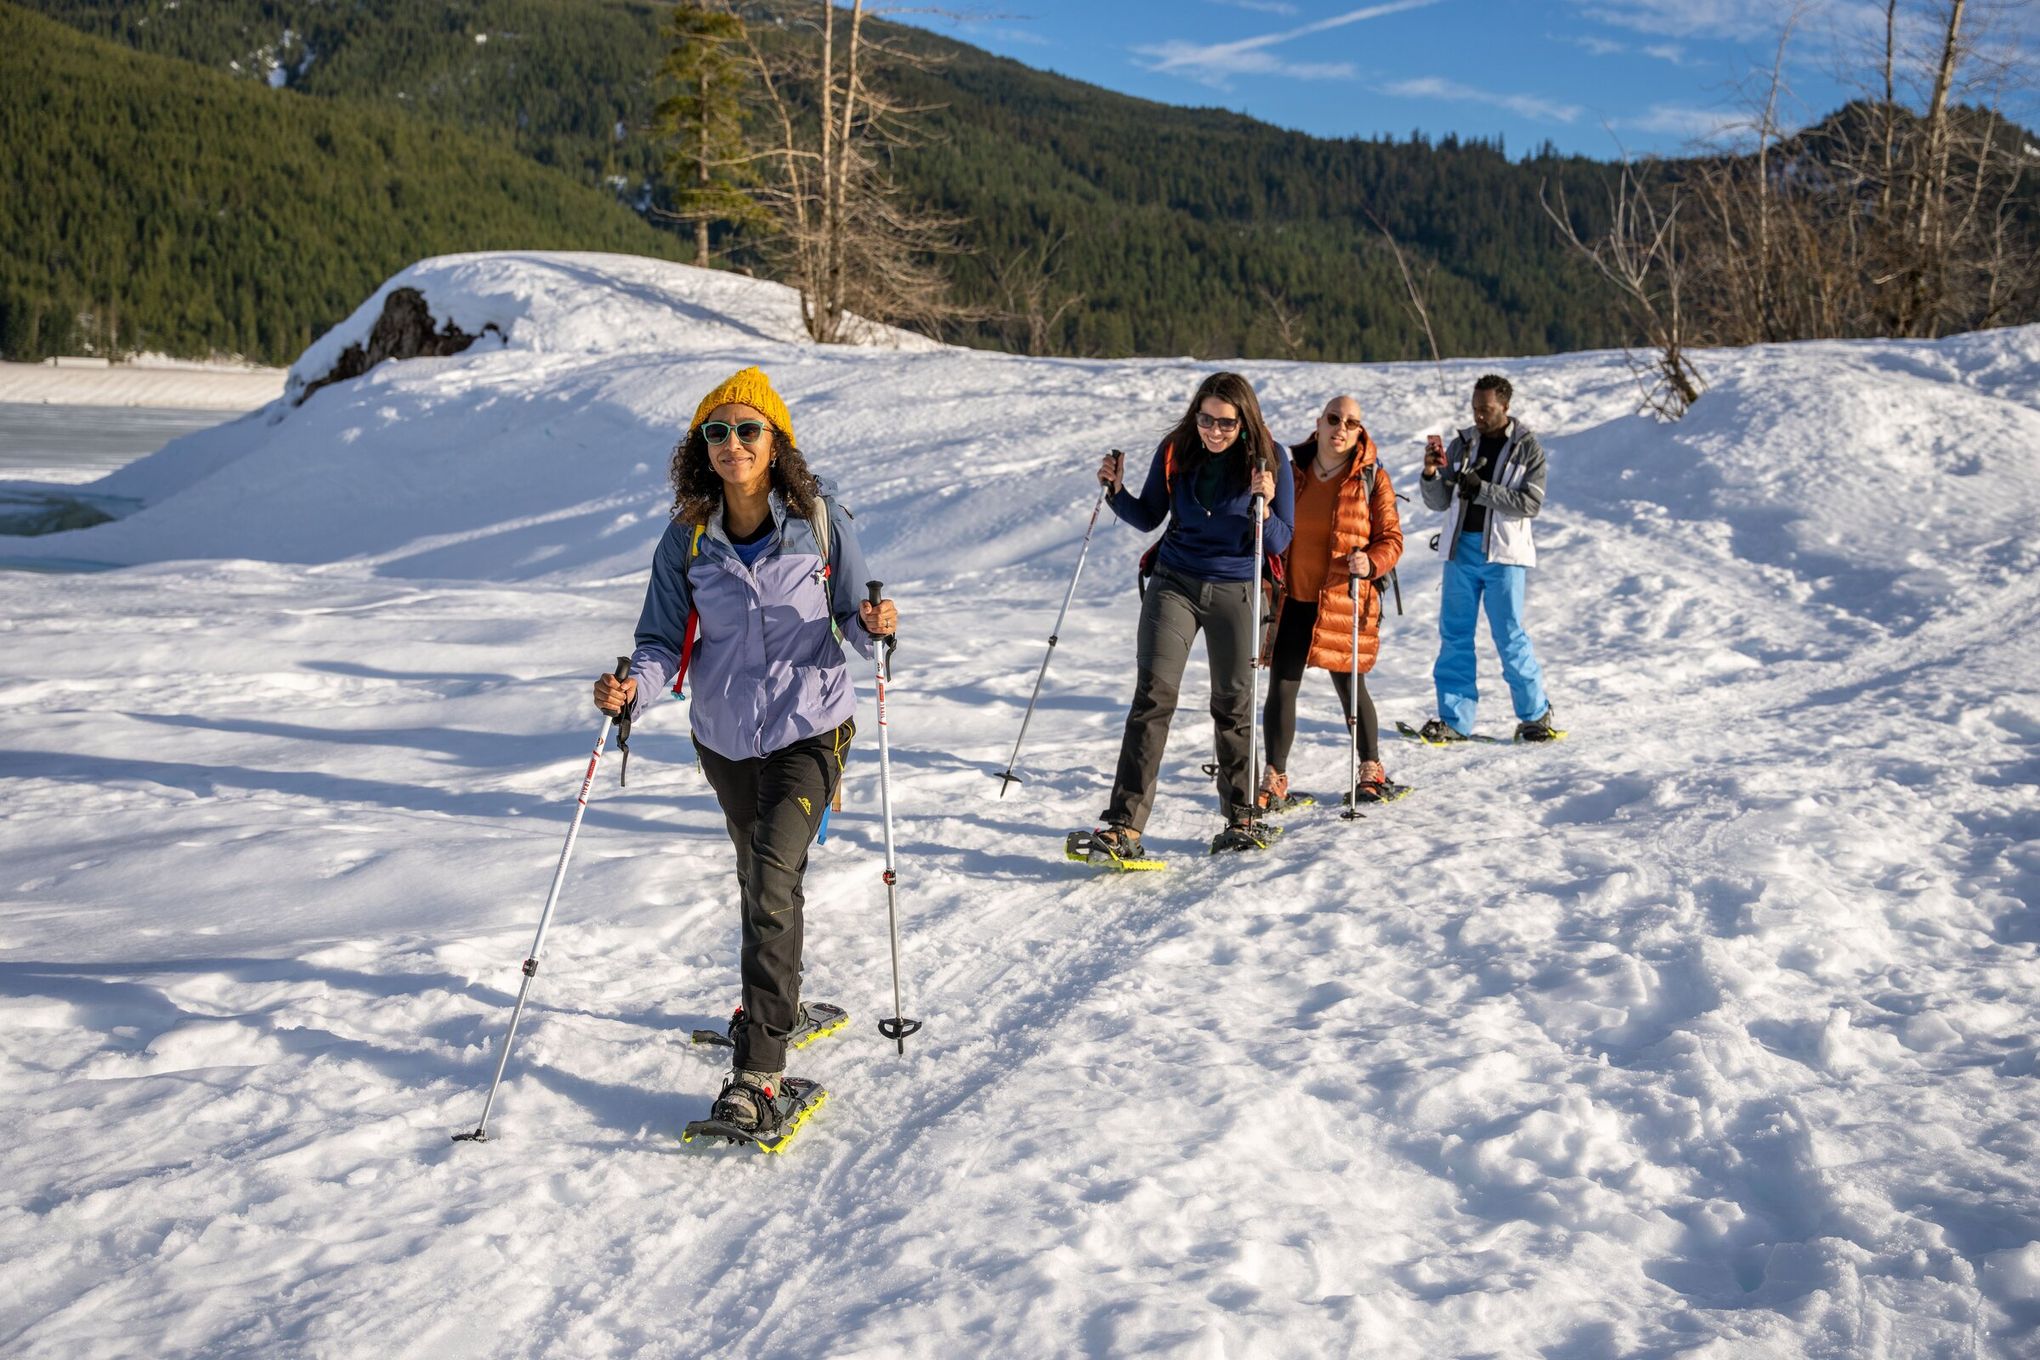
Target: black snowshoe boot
{"x": 1112, "y": 847}
{"x": 1438, "y": 732}
{"x": 1539, "y": 729}
{"x": 1245, "y": 833}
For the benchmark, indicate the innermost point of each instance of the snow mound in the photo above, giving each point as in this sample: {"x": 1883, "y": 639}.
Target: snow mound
{"x": 588, "y": 303}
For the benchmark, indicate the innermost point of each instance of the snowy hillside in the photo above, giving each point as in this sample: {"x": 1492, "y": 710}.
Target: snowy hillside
{"x": 1710, "y": 1031}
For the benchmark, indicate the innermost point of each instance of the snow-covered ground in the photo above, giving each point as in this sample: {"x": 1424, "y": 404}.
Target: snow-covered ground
{"x": 1710, "y": 1031}
{"x": 147, "y": 380}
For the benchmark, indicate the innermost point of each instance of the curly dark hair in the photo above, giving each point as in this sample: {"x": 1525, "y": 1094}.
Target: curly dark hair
{"x": 698, "y": 488}
{"x": 1497, "y": 384}
{"x": 1254, "y": 442}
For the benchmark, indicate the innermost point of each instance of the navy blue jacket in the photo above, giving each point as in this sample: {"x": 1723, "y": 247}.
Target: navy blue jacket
{"x": 1208, "y": 543}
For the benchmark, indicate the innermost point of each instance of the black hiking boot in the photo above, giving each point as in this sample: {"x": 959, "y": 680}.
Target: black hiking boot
{"x": 1245, "y": 833}
{"x": 1106, "y": 845}
{"x": 1538, "y": 729}
{"x": 1438, "y": 732}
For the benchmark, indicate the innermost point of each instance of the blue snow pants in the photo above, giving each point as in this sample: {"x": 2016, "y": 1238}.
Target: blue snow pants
{"x": 1472, "y": 581}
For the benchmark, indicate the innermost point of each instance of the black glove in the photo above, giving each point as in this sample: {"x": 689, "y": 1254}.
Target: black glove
{"x": 1469, "y": 483}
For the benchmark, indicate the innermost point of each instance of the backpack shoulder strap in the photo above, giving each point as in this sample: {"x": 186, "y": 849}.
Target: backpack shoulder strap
{"x": 693, "y": 626}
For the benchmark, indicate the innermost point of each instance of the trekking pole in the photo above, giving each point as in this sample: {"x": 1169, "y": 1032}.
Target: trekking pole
{"x": 898, "y": 1028}
{"x": 1352, "y": 811}
{"x": 481, "y": 1130}
{"x": 1055, "y": 634}
{"x": 1254, "y": 662}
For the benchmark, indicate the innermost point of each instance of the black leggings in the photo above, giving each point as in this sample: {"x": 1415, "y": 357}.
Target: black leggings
{"x": 1285, "y": 678}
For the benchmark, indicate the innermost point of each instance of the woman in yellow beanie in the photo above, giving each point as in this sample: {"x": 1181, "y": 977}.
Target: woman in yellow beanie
{"x": 754, "y": 595}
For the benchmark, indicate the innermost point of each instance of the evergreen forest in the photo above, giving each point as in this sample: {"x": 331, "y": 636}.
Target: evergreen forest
{"x": 242, "y": 207}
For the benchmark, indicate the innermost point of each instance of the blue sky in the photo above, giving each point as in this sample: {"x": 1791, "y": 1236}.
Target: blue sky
{"x": 1592, "y": 76}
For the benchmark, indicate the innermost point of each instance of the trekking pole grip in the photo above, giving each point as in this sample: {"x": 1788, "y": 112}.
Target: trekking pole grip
{"x": 876, "y": 589}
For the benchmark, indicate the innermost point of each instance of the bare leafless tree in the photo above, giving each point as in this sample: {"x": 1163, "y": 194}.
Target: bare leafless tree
{"x": 1030, "y": 298}
{"x": 1883, "y": 219}
{"x": 1285, "y": 322}
{"x": 1641, "y": 254}
{"x": 1421, "y": 312}
{"x": 845, "y": 236}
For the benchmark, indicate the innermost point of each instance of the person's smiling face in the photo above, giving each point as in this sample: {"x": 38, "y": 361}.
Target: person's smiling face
{"x": 742, "y": 457}
{"x": 1218, "y": 424}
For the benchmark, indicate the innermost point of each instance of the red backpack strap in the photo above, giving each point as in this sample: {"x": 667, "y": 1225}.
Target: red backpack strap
{"x": 687, "y": 634}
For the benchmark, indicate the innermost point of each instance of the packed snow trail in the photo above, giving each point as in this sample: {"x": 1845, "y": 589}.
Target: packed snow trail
{"x": 1707, "y": 1031}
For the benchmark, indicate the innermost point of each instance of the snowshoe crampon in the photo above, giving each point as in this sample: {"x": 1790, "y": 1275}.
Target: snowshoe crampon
{"x": 1290, "y": 801}
{"x": 1245, "y": 836}
{"x": 1108, "y": 852}
{"x": 818, "y": 1020}
{"x": 1435, "y": 734}
{"x": 787, "y": 1109}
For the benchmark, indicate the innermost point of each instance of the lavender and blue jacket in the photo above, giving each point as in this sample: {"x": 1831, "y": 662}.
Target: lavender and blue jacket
{"x": 769, "y": 666}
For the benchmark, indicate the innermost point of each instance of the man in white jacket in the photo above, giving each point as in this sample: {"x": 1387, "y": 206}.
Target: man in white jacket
{"x": 1490, "y": 483}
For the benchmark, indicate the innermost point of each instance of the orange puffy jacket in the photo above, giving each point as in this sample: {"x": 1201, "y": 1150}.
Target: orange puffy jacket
{"x": 1369, "y": 521}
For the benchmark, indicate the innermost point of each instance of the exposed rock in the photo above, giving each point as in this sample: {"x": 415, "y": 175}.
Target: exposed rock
{"x": 403, "y": 331}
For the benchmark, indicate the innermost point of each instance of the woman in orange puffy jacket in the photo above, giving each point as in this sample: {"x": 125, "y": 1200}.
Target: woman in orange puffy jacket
{"x": 1346, "y": 526}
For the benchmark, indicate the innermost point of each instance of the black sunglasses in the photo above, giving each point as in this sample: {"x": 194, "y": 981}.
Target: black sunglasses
{"x": 1218, "y": 423}
{"x": 716, "y": 431}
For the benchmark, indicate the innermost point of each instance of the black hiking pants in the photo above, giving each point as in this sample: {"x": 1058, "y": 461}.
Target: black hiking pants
{"x": 773, "y": 805}
{"x": 1285, "y": 679}
{"x": 1176, "y": 608}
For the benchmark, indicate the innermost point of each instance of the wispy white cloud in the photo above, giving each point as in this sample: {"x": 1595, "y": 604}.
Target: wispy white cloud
{"x": 1025, "y": 37}
{"x": 1522, "y": 105}
{"x": 1670, "y": 52}
{"x": 1215, "y": 63}
{"x": 1600, "y": 47}
{"x": 1741, "y": 20}
{"x": 1258, "y": 6}
{"x": 1693, "y": 124}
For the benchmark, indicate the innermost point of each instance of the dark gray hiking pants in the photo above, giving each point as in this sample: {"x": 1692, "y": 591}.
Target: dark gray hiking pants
{"x": 1176, "y": 608}
{"x": 773, "y": 805}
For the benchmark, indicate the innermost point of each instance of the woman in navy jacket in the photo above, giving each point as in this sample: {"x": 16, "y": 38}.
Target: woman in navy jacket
{"x": 1201, "y": 482}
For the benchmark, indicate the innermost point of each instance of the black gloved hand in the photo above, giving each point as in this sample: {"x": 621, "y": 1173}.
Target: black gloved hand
{"x": 1469, "y": 483}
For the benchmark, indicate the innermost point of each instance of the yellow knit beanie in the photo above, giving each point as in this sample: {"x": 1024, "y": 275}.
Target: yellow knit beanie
{"x": 753, "y": 389}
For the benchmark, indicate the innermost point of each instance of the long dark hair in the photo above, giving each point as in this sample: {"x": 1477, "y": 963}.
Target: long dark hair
{"x": 698, "y": 490}
{"x": 1253, "y": 443}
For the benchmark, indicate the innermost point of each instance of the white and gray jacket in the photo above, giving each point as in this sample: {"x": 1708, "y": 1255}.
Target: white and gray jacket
{"x": 1512, "y": 497}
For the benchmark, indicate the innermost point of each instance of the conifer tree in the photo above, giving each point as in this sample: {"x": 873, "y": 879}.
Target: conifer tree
{"x": 703, "y": 117}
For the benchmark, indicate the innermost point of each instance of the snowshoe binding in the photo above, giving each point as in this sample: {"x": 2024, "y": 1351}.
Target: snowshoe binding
{"x": 1245, "y": 835}
{"x": 1275, "y": 795}
{"x": 758, "y": 1110}
{"x": 815, "y": 1020}
{"x": 1375, "y": 786}
{"x": 1438, "y": 732}
{"x": 1110, "y": 847}
{"x": 1540, "y": 729}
